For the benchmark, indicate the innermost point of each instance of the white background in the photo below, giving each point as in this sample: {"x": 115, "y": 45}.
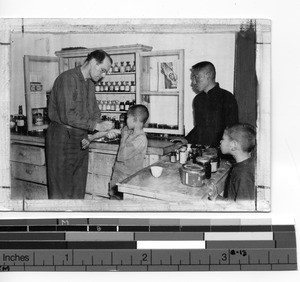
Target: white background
{"x": 285, "y": 112}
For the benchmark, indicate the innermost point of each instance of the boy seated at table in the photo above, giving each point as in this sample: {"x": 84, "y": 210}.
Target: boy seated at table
{"x": 132, "y": 149}
{"x": 239, "y": 141}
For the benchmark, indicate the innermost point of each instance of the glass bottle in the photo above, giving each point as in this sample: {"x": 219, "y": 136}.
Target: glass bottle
{"x": 133, "y": 66}
{"x": 21, "y": 121}
{"x": 122, "y": 86}
{"x": 132, "y": 86}
{"x": 127, "y": 87}
{"x": 112, "y": 87}
{"x": 97, "y": 88}
{"x": 104, "y": 106}
{"x": 128, "y": 67}
{"x": 122, "y": 106}
{"x": 101, "y": 87}
{"x": 108, "y": 106}
{"x": 113, "y": 106}
{"x": 122, "y": 67}
{"x": 106, "y": 87}
{"x": 127, "y": 105}
{"x": 117, "y": 105}
{"x": 117, "y": 86}
{"x": 116, "y": 68}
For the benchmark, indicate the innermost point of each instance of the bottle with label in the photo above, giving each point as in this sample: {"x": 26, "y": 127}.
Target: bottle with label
{"x": 112, "y": 87}
{"x": 127, "y": 87}
{"x": 97, "y": 87}
{"x": 127, "y": 105}
{"x": 117, "y": 105}
{"x": 128, "y": 67}
{"x": 133, "y": 66}
{"x": 104, "y": 106}
{"x": 113, "y": 106}
{"x": 117, "y": 86}
{"x": 101, "y": 89}
{"x": 106, "y": 87}
{"x": 182, "y": 155}
{"x": 108, "y": 106}
{"x": 116, "y": 68}
{"x": 21, "y": 121}
{"x": 173, "y": 157}
{"x": 122, "y": 106}
{"x": 122, "y": 67}
{"x": 132, "y": 86}
{"x": 122, "y": 86}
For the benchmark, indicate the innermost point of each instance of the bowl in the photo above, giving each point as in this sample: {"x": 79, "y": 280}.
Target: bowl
{"x": 156, "y": 171}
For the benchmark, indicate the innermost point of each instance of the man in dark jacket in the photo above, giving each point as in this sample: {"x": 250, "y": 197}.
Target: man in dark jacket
{"x": 214, "y": 108}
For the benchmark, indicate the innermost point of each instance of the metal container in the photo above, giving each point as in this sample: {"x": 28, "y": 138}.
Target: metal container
{"x": 192, "y": 175}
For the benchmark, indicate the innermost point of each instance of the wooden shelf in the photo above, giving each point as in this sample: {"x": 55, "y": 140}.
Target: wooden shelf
{"x": 160, "y": 93}
{"x": 121, "y": 73}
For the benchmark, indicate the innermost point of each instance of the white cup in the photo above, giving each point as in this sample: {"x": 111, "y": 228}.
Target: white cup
{"x": 156, "y": 171}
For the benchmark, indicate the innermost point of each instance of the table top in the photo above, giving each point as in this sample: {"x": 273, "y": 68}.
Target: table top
{"x": 168, "y": 186}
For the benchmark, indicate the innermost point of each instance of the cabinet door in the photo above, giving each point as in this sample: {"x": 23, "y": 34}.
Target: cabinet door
{"x": 161, "y": 90}
{"x": 40, "y": 74}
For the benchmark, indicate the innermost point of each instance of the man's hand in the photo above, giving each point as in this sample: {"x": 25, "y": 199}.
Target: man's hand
{"x": 114, "y": 133}
{"x": 104, "y": 125}
{"x": 85, "y": 143}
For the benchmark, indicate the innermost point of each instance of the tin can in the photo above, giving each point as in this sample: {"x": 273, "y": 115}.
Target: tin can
{"x": 192, "y": 175}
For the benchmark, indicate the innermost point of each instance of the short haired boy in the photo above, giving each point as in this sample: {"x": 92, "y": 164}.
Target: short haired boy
{"x": 239, "y": 141}
{"x": 132, "y": 149}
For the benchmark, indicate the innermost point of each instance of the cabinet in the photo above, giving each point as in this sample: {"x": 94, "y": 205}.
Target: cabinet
{"x": 162, "y": 90}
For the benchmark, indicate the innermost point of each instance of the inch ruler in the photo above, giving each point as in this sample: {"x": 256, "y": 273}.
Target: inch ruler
{"x": 146, "y": 245}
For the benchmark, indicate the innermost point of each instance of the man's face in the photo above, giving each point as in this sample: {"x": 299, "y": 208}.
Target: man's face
{"x": 99, "y": 70}
{"x": 199, "y": 80}
{"x": 225, "y": 144}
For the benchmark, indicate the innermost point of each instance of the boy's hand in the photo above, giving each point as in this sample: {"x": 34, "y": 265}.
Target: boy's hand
{"x": 85, "y": 143}
{"x": 114, "y": 133}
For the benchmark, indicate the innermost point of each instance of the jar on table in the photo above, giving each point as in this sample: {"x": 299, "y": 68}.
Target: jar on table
{"x": 173, "y": 157}
{"x": 182, "y": 155}
{"x": 205, "y": 162}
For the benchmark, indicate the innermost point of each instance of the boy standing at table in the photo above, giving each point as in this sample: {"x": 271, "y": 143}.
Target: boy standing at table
{"x": 132, "y": 149}
{"x": 239, "y": 141}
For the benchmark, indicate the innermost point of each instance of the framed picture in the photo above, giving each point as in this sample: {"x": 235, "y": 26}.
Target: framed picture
{"x": 167, "y": 76}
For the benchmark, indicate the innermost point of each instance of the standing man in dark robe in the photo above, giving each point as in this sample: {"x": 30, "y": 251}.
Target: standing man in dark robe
{"x": 214, "y": 108}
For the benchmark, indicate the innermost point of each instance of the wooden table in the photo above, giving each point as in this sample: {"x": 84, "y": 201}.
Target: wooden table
{"x": 168, "y": 187}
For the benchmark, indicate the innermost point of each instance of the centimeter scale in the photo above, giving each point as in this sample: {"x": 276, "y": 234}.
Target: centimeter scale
{"x": 120, "y": 244}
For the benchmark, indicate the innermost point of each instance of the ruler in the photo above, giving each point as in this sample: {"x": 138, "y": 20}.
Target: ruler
{"x": 111, "y": 244}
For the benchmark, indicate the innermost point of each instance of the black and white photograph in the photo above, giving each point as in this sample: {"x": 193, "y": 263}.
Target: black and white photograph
{"x": 138, "y": 115}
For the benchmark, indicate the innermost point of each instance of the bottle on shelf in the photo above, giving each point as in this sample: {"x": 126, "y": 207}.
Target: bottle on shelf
{"x": 101, "y": 89}
{"x": 127, "y": 105}
{"x": 116, "y": 68}
{"x": 122, "y": 67}
{"x": 132, "y": 86}
{"x": 117, "y": 105}
{"x": 108, "y": 106}
{"x": 104, "y": 106}
{"x": 122, "y": 106}
{"x": 112, "y": 87}
{"x": 127, "y": 67}
{"x": 97, "y": 87}
{"x": 117, "y": 86}
{"x": 113, "y": 106}
{"x": 133, "y": 66}
{"x": 106, "y": 87}
{"x": 99, "y": 105}
{"x": 122, "y": 86}
{"x": 127, "y": 86}
{"x": 21, "y": 121}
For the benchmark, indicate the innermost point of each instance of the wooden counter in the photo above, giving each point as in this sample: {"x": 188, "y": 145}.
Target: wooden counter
{"x": 168, "y": 187}
{"x": 29, "y": 174}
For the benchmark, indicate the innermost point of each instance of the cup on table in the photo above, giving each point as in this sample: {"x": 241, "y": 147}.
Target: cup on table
{"x": 156, "y": 171}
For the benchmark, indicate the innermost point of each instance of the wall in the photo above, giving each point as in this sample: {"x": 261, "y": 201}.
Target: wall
{"x": 217, "y": 48}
